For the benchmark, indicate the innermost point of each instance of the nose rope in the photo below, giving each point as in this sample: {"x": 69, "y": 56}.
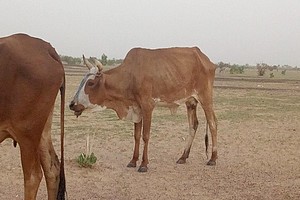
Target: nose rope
{"x": 81, "y": 85}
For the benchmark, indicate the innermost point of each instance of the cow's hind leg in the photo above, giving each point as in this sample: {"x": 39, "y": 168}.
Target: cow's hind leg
{"x": 31, "y": 168}
{"x": 191, "y": 106}
{"x": 137, "y": 138}
{"x": 49, "y": 161}
{"x": 212, "y": 123}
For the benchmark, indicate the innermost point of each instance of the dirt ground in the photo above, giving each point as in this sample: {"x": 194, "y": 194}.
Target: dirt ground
{"x": 258, "y": 146}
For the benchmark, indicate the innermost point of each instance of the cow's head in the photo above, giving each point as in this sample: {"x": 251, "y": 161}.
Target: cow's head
{"x": 85, "y": 97}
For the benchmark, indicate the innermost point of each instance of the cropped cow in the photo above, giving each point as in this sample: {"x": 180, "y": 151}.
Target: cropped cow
{"x": 145, "y": 79}
{"x": 31, "y": 75}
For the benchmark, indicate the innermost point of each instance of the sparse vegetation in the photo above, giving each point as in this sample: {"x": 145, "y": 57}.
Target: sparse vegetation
{"x": 236, "y": 69}
{"x": 69, "y": 60}
{"x": 85, "y": 160}
{"x": 222, "y": 66}
{"x": 261, "y": 69}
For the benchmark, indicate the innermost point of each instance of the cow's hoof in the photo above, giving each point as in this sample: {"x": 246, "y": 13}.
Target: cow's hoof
{"x": 211, "y": 163}
{"x": 181, "y": 161}
{"x": 131, "y": 165}
{"x": 143, "y": 169}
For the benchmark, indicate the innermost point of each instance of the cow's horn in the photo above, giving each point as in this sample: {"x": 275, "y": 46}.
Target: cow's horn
{"x": 98, "y": 64}
{"x": 87, "y": 63}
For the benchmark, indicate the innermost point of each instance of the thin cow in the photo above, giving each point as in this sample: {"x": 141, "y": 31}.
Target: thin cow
{"x": 31, "y": 75}
{"x": 147, "y": 78}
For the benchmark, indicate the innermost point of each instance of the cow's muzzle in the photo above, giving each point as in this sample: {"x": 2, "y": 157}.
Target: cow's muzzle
{"x": 77, "y": 108}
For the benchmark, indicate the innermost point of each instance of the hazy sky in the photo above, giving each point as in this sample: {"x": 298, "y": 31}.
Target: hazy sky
{"x": 235, "y": 31}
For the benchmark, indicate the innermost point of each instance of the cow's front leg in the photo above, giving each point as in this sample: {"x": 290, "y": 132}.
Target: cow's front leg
{"x": 137, "y": 137}
{"x": 146, "y": 135}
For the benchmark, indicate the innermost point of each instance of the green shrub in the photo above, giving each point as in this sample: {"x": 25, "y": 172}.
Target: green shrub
{"x": 86, "y": 160}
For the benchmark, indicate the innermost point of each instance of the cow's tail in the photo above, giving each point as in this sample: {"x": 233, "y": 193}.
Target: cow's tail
{"x": 206, "y": 140}
{"x": 62, "y": 181}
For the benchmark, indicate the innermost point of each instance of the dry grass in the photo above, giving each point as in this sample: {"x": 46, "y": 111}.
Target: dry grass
{"x": 258, "y": 150}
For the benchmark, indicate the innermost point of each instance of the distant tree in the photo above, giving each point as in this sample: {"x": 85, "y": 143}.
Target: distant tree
{"x": 236, "y": 69}
{"x": 261, "y": 69}
{"x": 222, "y": 66}
{"x": 104, "y": 59}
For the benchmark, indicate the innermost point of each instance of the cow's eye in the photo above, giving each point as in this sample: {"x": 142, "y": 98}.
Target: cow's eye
{"x": 90, "y": 83}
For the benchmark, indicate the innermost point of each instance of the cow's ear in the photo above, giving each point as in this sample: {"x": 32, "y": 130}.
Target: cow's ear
{"x": 99, "y": 74}
{"x": 87, "y": 63}
{"x": 98, "y": 65}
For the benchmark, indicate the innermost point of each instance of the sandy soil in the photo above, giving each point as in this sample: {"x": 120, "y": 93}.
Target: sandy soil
{"x": 258, "y": 159}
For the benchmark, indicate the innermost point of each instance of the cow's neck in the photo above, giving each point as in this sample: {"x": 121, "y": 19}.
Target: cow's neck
{"x": 118, "y": 92}
{"x": 117, "y": 84}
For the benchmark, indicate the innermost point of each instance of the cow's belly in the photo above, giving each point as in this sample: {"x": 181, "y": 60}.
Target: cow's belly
{"x": 173, "y": 106}
{"x": 134, "y": 112}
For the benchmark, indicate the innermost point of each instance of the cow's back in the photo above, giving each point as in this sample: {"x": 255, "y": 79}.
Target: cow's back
{"x": 31, "y": 74}
{"x": 172, "y": 71}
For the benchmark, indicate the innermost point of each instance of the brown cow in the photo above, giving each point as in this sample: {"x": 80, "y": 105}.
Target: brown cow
{"x": 145, "y": 79}
{"x": 31, "y": 74}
